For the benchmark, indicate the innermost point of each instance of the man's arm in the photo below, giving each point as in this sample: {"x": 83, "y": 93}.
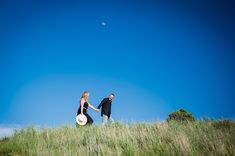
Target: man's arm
{"x": 101, "y": 104}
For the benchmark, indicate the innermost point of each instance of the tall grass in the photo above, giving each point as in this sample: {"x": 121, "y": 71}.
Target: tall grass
{"x": 198, "y": 138}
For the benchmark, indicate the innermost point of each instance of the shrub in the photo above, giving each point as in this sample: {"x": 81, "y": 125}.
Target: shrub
{"x": 180, "y": 116}
{"x": 222, "y": 124}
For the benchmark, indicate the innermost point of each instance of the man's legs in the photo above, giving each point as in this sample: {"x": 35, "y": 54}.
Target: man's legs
{"x": 107, "y": 119}
{"x": 110, "y": 120}
{"x": 104, "y": 119}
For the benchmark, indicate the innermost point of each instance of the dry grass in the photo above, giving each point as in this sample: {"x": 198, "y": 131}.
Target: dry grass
{"x": 199, "y": 138}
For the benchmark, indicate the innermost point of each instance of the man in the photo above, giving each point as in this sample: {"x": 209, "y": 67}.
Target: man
{"x": 106, "y": 104}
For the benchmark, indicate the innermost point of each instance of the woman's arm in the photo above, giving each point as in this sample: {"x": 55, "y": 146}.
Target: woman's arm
{"x": 82, "y": 101}
{"x": 90, "y": 105}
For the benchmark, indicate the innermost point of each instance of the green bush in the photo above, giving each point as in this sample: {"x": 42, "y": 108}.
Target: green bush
{"x": 224, "y": 124}
{"x": 181, "y": 116}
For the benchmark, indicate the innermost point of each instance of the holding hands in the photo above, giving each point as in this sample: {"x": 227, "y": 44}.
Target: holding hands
{"x": 95, "y": 109}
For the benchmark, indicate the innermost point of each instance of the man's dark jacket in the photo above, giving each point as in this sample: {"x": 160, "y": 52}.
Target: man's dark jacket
{"x": 106, "y": 107}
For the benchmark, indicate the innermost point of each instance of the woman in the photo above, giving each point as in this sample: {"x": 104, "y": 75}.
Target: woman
{"x": 84, "y": 104}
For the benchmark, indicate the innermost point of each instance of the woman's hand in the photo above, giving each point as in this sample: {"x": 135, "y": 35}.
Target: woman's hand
{"x": 90, "y": 105}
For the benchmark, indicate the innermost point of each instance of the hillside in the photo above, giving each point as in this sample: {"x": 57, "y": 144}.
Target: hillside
{"x": 198, "y": 138}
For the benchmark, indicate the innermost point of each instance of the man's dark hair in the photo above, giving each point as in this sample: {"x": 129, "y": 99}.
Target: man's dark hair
{"x": 112, "y": 94}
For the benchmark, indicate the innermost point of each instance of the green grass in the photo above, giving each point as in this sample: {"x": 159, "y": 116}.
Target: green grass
{"x": 198, "y": 138}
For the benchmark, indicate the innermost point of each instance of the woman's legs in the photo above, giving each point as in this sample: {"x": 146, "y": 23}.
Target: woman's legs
{"x": 89, "y": 119}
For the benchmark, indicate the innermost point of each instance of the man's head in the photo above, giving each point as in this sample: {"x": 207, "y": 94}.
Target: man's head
{"x": 111, "y": 96}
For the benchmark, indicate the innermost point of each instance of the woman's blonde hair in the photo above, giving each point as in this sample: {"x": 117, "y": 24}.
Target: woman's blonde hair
{"x": 85, "y": 95}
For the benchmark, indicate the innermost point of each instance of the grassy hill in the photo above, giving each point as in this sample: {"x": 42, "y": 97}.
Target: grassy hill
{"x": 198, "y": 138}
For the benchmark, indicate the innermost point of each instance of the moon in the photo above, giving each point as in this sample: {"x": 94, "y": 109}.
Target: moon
{"x": 103, "y": 23}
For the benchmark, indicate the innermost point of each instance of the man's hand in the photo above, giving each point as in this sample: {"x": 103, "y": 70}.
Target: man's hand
{"x": 97, "y": 110}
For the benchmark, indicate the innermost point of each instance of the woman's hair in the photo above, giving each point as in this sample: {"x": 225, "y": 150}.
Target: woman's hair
{"x": 84, "y": 95}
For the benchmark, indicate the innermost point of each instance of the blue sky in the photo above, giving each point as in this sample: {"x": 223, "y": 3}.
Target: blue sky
{"x": 155, "y": 56}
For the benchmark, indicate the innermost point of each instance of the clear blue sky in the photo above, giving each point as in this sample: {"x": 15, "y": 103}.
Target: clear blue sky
{"x": 155, "y": 56}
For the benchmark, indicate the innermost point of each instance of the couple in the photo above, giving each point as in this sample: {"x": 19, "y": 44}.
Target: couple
{"x": 105, "y": 104}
